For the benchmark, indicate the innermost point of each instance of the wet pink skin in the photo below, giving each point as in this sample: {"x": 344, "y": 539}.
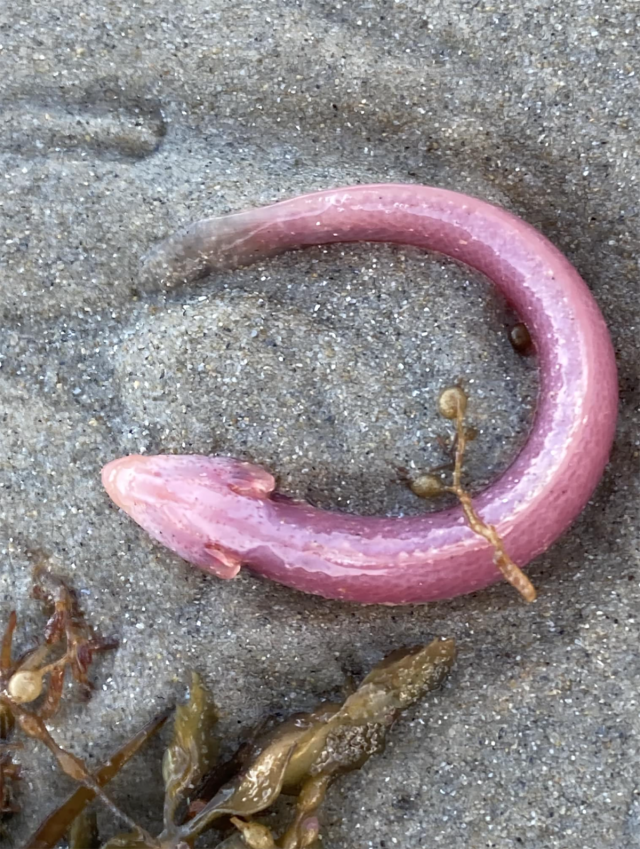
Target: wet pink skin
{"x": 220, "y": 513}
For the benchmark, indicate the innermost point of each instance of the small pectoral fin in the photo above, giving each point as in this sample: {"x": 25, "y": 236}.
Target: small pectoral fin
{"x": 252, "y": 481}
{"x": 221, "y": 561}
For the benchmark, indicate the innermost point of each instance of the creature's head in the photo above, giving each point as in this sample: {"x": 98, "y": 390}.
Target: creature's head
{"x": 182, "y": 500}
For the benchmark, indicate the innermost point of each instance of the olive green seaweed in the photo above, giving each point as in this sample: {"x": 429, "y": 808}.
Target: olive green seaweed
{"x": 300, "y": 757}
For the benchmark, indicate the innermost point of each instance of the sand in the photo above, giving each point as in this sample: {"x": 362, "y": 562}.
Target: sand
{"x": 122, "y": 122}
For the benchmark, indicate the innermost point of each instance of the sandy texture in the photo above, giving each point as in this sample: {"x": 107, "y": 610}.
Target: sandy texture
{"x": 121, "y": 122}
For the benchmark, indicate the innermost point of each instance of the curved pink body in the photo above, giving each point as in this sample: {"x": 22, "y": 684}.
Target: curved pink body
{"x": 220, "y": 513}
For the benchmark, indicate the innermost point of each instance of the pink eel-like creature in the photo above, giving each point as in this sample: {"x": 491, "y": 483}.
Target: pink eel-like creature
{"x": 220, "y": 513}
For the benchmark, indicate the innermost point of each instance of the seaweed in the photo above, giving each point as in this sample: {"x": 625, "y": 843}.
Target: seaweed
{"x": 452, "y": 405}
{"x": 300, "y": 757}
